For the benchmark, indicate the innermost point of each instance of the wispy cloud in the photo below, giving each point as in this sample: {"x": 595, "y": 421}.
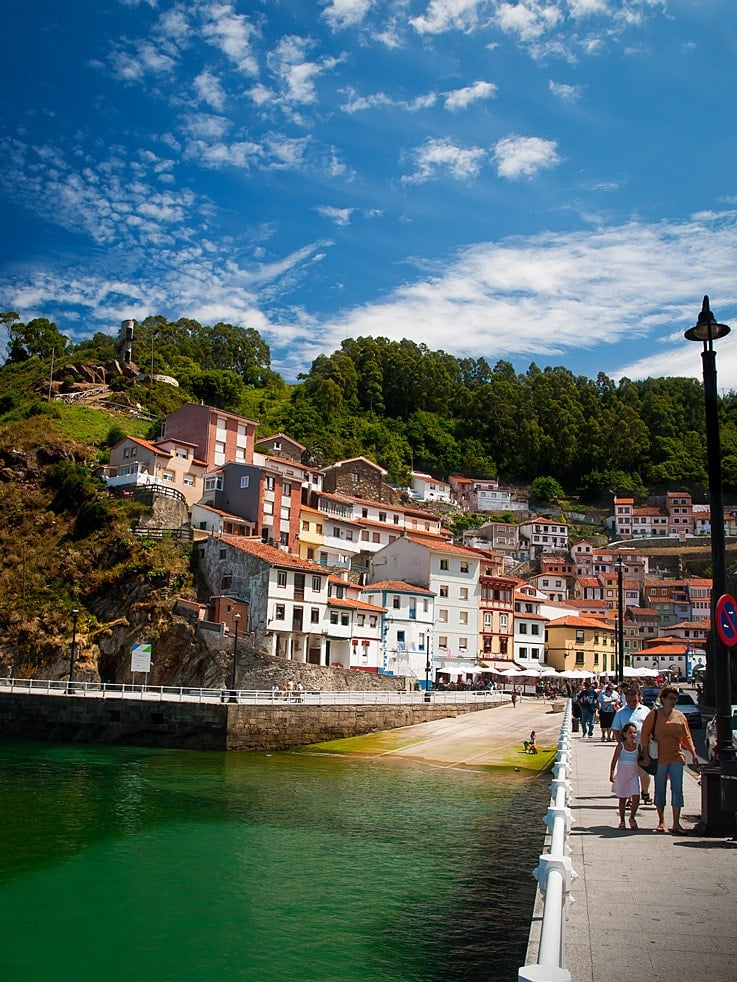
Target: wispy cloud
{"x": 230, "y": 33}
{"x": 447, "y": 15}
{"x": 341, "y": 216}
{"x": 380, "y": 100}
{"x": 461, "y": 98}
{"x": 567, "y": 93}
{"x": 524, "y": 156}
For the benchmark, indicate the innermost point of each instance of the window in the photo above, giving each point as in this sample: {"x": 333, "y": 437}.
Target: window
{"x": 188, "y": 481}
{"x": 268, "y": 508}
{"x": 503, "y": 622}
{"x": 579, "y": 657}
{"x": 333, "y": 616}
{"x": 168, "y": 476}
{"x": 345, "y": 619}
{"x": 523, "y": 652}
{"x": 354, "y": 478}
{"x": 382, "y": 516}
{"x": 181, "y": 453}
{"x": 287, "y": 488}
{"x": 443, "y": 591}
{"x": 579, "y": 635}
{"x": 280, "y": 612}
{"x": 315, "y": 615}
{"x": 223, "y": 553}
{"x": 375, "y": 537}
{"x": 361, "y": 620}
{"x": 535, "y": 653}
{"x": 534, "y": 628}
{"x": 400, "y": 637}
{"x": 463, "y": 616}
{"x": 316, "y": 583}
{"x": 443, "y": 641}
{"x": 396, "y": 602}
{"x": 269, "y": 483}
{"x": 372, "y": 620}
{"x": 464, "y": 593}
{"x": 487, "y": 622}
{"x": 318, "y": 528}
{"x": 464, "y": 567}
{"x": 245, "y": 481}
{"x": 443, "y": 616}
{"x": 305, "y": 526}
{"x": 523, "y": 628}
{"x": 281, "y": 578}
{"x": 444, "y": 564}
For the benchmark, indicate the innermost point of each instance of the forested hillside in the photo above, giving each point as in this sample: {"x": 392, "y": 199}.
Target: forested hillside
{"x": 408, "y": 407}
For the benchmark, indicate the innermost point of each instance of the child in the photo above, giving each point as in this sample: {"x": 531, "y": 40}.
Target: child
{"x": 626, "y": 783}
{"x": 531, "y": 744}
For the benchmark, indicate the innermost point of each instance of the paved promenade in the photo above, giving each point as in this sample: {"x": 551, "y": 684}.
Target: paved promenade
{"x": 648, "y": 906}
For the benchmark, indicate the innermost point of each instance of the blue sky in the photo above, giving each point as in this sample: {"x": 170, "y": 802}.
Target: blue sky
{"x": 543, "y": 180}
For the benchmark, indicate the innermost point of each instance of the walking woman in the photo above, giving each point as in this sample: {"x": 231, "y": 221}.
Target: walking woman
{"x": 668, "y": 727}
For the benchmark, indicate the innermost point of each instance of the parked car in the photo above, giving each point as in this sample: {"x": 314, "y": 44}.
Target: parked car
{"x": 690, "y": 710}
{"x": 711, "y": 736}
{"x": 648, "y": 694}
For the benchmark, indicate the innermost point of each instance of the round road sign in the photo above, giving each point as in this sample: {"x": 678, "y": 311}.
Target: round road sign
{"x": 727, "y": 619}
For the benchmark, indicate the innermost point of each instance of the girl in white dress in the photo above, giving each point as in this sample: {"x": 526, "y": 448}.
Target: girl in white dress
{"x": 626, "y": 780}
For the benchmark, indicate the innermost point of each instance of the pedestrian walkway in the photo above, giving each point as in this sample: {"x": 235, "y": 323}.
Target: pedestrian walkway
{"x": 649, "y": 906}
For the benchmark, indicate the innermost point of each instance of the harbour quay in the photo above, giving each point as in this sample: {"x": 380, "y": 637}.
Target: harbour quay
{"x": 209, "y": 720}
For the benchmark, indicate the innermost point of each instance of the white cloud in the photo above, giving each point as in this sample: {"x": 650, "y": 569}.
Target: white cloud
{"x": 295, "y": 74}
{"x": 461, "y": 163}
{"x": 231, "y": 33}
{"x": 461, "y": 98}
{"x": 524, "y": 156}
{"x": 341, "y": 216}
{"x": 528, "y": 19}
{"x": 548, "y": 294}
{"x": 209, "y": 89}
{"x": 380, "y": 100}
{"x": 448, "y": 15}
{"x": 346, "y": 13}
{"x": 203, "y": 126}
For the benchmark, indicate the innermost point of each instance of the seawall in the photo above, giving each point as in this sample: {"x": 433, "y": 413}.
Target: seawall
{"x": 201, "y": 726}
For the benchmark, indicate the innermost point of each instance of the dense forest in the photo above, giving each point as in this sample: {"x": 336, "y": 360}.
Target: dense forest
{"x": 407, "y": 407}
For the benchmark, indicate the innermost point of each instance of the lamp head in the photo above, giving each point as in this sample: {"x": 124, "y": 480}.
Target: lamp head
{"x": 706, "y": 328}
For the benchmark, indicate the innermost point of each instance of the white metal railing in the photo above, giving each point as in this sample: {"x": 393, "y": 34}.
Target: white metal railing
{"x": 554, "y": 872}
{"x": 315, "y": 697}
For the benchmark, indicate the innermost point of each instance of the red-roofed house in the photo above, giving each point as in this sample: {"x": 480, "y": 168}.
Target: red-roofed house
{"x": 407, "y": 626}
{"x": 218, "y": 436}
{"x": 583, "y": 642}
{"x": 287, "y": 597}
{"x": 168, "y": 463}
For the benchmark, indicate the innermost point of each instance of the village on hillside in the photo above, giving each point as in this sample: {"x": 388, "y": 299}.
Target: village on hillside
{"x": 333, "y": 566}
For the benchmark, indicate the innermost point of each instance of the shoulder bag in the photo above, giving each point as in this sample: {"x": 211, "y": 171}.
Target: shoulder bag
{"x": 652, "y": 750}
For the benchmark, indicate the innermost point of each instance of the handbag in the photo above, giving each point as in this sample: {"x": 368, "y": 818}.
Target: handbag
{"x": 652, "y": 751}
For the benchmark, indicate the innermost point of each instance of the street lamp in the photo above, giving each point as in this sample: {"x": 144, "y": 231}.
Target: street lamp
{"x": 75, "y": 615}
{"x": 233, "y": 697}
{"x": 427, "y": 676}
{"x": 707, "y": 330}
{"x": 620, "y": 619}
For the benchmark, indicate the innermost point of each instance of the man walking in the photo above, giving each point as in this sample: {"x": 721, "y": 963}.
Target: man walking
{"x": 587, "y": 702}
{"x": 634, "y": 712}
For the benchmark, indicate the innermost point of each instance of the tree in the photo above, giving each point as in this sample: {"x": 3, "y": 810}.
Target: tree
{"x": 546, "y": 490}
{"x": 38, "y": 337}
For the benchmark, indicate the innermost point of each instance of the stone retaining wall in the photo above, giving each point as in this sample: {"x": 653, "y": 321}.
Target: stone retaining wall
{"x": 202, "y": 726}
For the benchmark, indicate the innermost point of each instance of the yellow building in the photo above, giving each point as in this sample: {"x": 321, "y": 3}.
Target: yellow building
{"x": 585, "y": 642}
{"x": 311, "y": 535}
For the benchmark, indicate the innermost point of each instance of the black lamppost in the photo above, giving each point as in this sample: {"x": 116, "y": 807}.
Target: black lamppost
{"x": 233, "y": 697}
{"x": 707, "y": 330}
{"x": 620, "y": 620}
{"x": 72, "y": 653}
{"x": 427, "y": 676}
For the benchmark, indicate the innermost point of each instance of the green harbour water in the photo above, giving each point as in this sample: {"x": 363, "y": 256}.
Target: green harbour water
{"x": 122, "y": 863}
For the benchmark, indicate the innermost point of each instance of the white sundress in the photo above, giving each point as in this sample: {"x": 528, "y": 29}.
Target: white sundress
{"x": 627, "y": 778}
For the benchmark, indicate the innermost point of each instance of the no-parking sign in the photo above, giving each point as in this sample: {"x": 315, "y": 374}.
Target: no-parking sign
{"x": 727, "y": 619}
